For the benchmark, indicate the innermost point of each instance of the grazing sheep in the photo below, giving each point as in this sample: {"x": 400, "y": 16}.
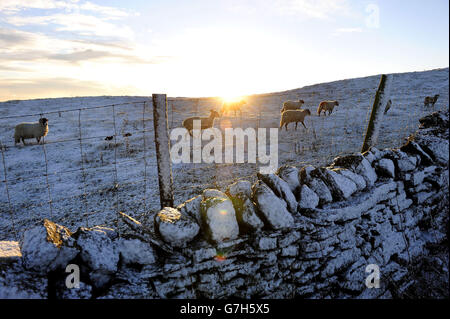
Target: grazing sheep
{"x": 292, "y": 105}
{"x": 431, "y": 100}
{"x": 388, "y": 106}
{"x": 327, "y": 106}
{"x": 233, "y": 106}
{"x": 296, "y": 116}
{"x": 206, "y": 122}
{"x": 30, "y": 130}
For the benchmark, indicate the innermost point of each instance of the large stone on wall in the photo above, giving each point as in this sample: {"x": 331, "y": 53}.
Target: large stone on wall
{"x": 437, "y": 147}
{"x": 341, "y": 187}
{"x": 47, "y": 247}
{"x": 385, "y": 167}
{"x": 405, "y": 163}
{"x": 358, "y": 164}
{"x": 191, "y": 207}
{"x": 99, "y": 253}
{"x": 219, "y": 218}
{"x": 281, "y": 189}
{"x": 135, "y": 251}
{"x": 176, "y": 228}
{"x": 411, "y": 147}
{"x": 290, "y": 175}
{"x": 240, "y": 188}
{"x": 321, "y": 189}
{"x": 272, "y": 208}
{"x": 240, "y": 194}
{"x": 308, "y": 198}
{"x": 355, "y": 178}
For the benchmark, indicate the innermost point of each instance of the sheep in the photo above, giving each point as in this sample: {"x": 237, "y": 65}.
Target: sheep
{"x": 35, "y": 130}
{"x": 233, "y": 106}
{"x": 292, "y": 105}
{"x": 388, "y": 106}
{"x": 327, "y": 106}
{"x": 206, "y": 122}
{"x": 431, "y": 100}
{"x": 296, "y": 116}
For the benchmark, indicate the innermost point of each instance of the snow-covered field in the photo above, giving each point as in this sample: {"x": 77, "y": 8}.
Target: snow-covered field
{"x": 115, "y": 176}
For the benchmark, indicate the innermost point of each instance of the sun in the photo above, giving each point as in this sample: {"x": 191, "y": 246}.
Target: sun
{"x": 231, "y": 98}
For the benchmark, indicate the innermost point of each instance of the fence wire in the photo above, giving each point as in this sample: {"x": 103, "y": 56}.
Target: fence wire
{"x": 115, "y": 142}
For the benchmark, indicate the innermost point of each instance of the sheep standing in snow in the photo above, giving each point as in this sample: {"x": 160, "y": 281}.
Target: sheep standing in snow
{"x": 31, "y": 130}
{"x": 431, "y": 100}
{"x": 206, "y": 122}
{"x": 233, "y": 106}
{"x": 291, "y": 116}
{"x": 327, "y": 106}
{"x": 292, "y": 105}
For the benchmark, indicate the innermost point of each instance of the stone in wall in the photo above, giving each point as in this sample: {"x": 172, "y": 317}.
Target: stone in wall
{"x": 47, "y": 247}
{"x": 281, "y": 189}
{"x": 99, "y": 253}
{"x": 308, "y": 198}
{"x": 359, "y": 165}
{"x": 273, "y": 209}
{"x": 176, "y": 228}
{"x": 385, "y": 168}
{"x": 290, "y": 175}
{"x": 240, "y": 194}
{"x": 219, "y": 218}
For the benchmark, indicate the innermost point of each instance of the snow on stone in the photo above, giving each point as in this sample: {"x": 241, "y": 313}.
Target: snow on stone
{"x": 281, "y": 189}
{"x": 219, "y": 216}
{"x": 176, "y": 228}
{"x": 134, "y": 251}
{"x": 273, "y": 208}
{"x": 47, "y": 247}
{"x": 308, "y": 198}
{"x": 385, "y": 167}
{"x": 290, "y": 175}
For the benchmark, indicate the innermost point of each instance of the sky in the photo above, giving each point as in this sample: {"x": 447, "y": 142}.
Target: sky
{"x": 197, "y": 48}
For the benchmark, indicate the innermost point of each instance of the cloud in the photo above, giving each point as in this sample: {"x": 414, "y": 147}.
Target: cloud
{"x": 80, "y": 56}
{"x": 320, "y": 9}
{"x": 347, "y": 30}
{"x": 83, "y": 25}
{"x": 52, "y": 87}
{"x": 15, "y": 6}
{"x": 11, "y": 37}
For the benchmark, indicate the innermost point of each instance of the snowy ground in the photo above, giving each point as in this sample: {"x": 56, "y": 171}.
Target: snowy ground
{"x": 116, "y": 178}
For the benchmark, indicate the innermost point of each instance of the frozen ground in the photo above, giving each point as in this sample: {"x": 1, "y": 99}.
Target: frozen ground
{"x": 115, "y": 177}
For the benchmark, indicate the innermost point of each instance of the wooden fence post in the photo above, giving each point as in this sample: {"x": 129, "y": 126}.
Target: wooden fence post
{"x": 162, "y": 148}
{"x": 376, "y": 117}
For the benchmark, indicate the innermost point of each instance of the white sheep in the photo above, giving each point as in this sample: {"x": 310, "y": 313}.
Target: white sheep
{"x": 327, "y": 106}
{"x": 431, "y": 100}
{"x": 206, "y": 122}
{"x": 35, "y": 130}
{"x": 233, "y": 106}
{"x": 296, "y": 116}
{"x": 292, "y": 105}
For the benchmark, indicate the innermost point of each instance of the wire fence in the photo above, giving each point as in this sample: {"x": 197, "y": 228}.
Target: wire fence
{"x": 99, "y": 160}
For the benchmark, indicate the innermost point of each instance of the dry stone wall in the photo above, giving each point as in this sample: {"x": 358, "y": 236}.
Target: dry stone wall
{"x": 305, "y": 232}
